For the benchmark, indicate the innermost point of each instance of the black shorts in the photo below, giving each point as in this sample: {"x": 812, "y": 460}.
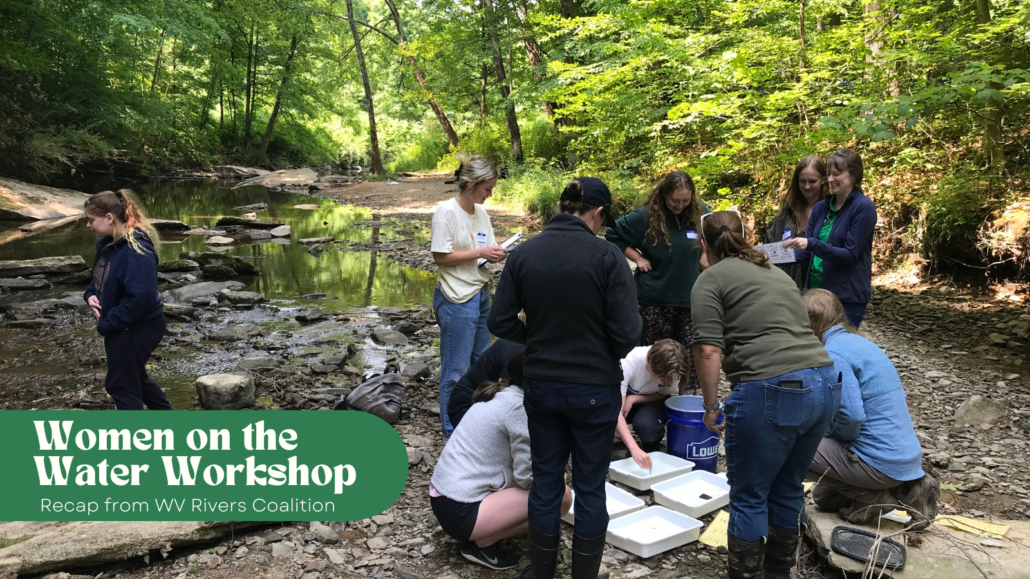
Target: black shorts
{"x": 457, "y": 519}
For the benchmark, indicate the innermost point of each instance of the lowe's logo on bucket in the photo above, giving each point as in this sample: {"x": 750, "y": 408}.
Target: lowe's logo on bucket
{"x": 708, "y": 448}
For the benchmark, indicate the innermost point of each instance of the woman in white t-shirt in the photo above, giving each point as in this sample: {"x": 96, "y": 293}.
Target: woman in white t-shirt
{"x": 462, "y": 235}
{"x": 650, "y": 374}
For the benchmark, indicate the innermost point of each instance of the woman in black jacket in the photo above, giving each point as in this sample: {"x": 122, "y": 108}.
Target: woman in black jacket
{"x": 580, "y": 302}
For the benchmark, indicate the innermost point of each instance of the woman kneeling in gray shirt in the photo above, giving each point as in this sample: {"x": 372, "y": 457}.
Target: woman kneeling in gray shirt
{"x": 480, "y": 487}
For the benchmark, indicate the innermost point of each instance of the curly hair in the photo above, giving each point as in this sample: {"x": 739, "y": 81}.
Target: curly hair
{"x": 657, "y": 212}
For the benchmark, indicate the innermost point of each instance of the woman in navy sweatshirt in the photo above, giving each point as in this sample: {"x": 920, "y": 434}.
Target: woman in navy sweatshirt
{"x": 123, "y": 295}
{"x": 837, "y": 248}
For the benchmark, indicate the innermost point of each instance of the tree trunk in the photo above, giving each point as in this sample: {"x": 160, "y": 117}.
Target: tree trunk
{"x": 877, "y": 25}
{"x": 483, "y": 76}
{"x": 278, "y": 102}
{"x": 801, "y": 33}
{"x": 509, "y": 104}
{"x": 452, "y": 137}
{"x": 373, "y": 137}
{"x": 993, "y": 139}
{"x": 536, "y": 59}
{"x": 157, "y": 60}
{"x": 248, "y": 88}
{"x": 568, "y": 8}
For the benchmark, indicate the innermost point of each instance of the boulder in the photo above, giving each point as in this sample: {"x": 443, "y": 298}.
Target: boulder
{"x": 251, "y": 208}
{"x": 209, "y": 232}
{"x": 169, "y": 225}
{"x": 225, "y": 391}
{"x": 387, "y": 337}
{"x": 179, "y": 278}
{"x": 338, "y": 180}
{"x": 281, "y": 231}
{"x": 178, "y": 265}
{"x": 312, "y": 297}
{"x": 219, "y": 272}
{"x": 219, "y": 240}
{"x": 323, "y": 368}
{"x": 235, "y": 333}
{"x": 414, "y": 372}
{"x": 240, "y": 297}
{"x": 258, "y": 363}
{"x": 310, "y": 315}
{"x": 238, "y": 266}
{"x": 316, "y": 240}
{"x": 41, "y": 308}
{"x": 187, "y": 294}
{"x": 180, "y": 311}
{"x": 257, "y": 234}
{"x": 22, "y": 201}
{"x": 43, "y": 265}
{"x": 81, "y": 277}
{"x": 231, "y": 171}
{"x": 407, "y": 328}
{"x": 979, "y": 411}
{"x": 21, "y": 284}
{"x": 248, "y": 222}
{"x": 286, "y": 178}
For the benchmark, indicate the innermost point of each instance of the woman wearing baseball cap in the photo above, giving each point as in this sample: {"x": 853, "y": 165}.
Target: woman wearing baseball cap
{"x": 580, "y": 301}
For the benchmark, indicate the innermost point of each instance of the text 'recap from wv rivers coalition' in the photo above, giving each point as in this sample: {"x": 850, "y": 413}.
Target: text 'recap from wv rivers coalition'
{"x": 199, "y": 466}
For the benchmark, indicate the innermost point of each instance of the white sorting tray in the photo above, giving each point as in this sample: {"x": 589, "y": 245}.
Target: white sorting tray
{"x": 652, "y": 531}
{"x": 695, "y": 494}
{"x": 665, "y": 466}
{"x": 619, "y": 503}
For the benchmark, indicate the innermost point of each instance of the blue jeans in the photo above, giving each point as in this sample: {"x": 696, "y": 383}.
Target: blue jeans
{"x": 577, "y": 420}
{"x": 463, "y": 339}
{"x": 772, "y": 434}
{"x": 854, "y": 311}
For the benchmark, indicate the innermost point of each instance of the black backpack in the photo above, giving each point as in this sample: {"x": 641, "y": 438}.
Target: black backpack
{"x": 380, "y": 395}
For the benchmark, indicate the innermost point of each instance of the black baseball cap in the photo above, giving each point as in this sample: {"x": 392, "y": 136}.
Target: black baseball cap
{"x": 595, "y": 193}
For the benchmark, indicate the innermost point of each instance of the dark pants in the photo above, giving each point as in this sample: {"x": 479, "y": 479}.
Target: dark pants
{"x": 127, "y": 354}
{"x": 648, "y": 421}
{"x": 576, "y": 419}
{"x": 671, "y": 323}
{"x": 854, "y": 312}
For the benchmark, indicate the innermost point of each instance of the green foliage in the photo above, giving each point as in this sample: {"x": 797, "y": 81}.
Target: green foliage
{"x": 536, "y": 188}
{"x": 423, "y": 153}
{"x": 954, "y": 214}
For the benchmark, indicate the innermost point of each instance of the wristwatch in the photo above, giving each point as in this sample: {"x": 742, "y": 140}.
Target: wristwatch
{"x": 716, "y": 406}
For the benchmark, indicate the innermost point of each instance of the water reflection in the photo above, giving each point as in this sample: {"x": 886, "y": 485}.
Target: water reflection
{"x": 287, "y": 271}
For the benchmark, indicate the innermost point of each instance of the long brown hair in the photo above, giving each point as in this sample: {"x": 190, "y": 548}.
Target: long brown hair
{"x": 824, "y": 312}
{"x": 657, "y": 212}
{"x": 794, "y": 201}
{"x": 722, "y": 232}
{"x": 126, "y": 208}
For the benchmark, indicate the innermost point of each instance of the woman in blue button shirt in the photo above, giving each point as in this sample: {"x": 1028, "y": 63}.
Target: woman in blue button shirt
{"x": 870, "y": 460}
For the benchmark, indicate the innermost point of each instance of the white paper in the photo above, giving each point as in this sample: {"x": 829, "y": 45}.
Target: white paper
{"x": 506, "y": 245}
{"x": 776, "y": 253}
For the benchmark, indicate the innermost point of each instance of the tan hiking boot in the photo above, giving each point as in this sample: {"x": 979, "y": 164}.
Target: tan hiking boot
{"x": 868, "y": 506}
{"x": 920, "y": 499}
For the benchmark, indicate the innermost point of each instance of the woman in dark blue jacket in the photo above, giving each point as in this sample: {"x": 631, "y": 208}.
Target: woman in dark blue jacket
{"x": 123, "y": 295}
{"x": 837, "y": 248}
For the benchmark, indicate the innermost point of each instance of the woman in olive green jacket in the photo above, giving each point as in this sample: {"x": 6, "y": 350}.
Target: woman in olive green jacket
{"x": 662, "y": 239}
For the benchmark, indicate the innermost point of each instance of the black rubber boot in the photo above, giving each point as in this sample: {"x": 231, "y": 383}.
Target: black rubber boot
{"x": 586, "y": 556}
{"x": 781, "y": 552}
{"x": 745, "y": 560}
{"x": 543, "y": 555}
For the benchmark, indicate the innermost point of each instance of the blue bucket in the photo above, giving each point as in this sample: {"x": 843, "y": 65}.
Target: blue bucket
{"x": 689, "y": 438}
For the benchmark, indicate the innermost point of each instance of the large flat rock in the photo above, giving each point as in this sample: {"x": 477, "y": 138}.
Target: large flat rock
{"x": 288, "y": 178}
{"x": 186, "y": 294}
{"x": 22, "y": 201}
{"x": 43, "y": 265}
{"x": 55, "y": 546}
{"x": 944, "y": 553}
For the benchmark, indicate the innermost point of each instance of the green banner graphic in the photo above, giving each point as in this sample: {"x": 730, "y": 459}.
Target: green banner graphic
{"x": 199, "y": 466}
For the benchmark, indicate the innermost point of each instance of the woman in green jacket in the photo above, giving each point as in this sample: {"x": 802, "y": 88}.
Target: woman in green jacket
{"x": 662, "y": 239}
